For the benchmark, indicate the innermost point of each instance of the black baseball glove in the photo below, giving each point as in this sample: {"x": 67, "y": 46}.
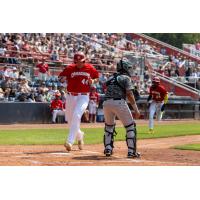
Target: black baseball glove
{"x": 162, "y": 108}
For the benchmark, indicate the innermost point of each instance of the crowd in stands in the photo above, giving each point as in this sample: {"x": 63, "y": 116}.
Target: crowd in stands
{"x": 103, "y": 50}
{"x": 193, "y": 48}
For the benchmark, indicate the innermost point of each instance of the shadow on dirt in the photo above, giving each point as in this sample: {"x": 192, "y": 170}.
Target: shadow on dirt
{"x": 94, "y": 157}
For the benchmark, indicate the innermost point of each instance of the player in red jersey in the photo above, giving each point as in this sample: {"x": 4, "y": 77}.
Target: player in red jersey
{"x": 93, "y": 104}
{"x": 157, "y": 99}
{"x": 79, "y": 76}
{"x": 57, "y": 108}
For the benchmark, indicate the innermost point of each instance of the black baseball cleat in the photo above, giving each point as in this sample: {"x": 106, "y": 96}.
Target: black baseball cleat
{"x": 108, "y": 152}
{"x": 133, "y": 155}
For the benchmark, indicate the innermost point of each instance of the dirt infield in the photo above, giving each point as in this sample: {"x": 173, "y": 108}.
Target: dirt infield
{"x": 154, "y": 152}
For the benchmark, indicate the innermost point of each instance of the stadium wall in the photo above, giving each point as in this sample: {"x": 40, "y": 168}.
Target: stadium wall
{"x": 30, "y": 113}
{"x": 22, "y": 112}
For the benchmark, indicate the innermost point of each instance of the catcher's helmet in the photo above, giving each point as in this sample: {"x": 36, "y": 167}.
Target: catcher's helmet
{"x": 79, "y": 57}
{"x": 124, "y": 66}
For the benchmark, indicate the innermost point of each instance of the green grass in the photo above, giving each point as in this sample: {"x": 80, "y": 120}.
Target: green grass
{"x": 92, "y": 135}
{"x": 193, "y": 147}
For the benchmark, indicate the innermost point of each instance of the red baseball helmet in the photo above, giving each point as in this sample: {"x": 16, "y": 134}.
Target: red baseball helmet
{"x": 79, "y": 57}
{"x": 93, "y": 88}
{"x": 156, "y": 80}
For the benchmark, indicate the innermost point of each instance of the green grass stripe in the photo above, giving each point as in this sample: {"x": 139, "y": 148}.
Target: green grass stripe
{"x": 92, "y": 135}
{"x": 193, "y": 147}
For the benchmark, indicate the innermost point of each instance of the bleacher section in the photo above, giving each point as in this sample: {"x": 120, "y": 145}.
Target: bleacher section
{"x": 148, "y": 55}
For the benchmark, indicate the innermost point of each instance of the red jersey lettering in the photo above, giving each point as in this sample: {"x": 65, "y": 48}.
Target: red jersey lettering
{"x": 77, "y": 78}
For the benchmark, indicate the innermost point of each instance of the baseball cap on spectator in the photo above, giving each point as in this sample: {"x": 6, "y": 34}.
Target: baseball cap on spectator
{"x": 33, "y": 90}
{"x": 49, "y": 85}
{"x": 57, "y": 94}
{"x": 14, "y": 68}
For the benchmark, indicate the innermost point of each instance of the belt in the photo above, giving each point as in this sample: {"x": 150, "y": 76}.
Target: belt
{"x": 158, "y": 101}
{"x": 76, "y": 94}
{"x": 114, "y": 98}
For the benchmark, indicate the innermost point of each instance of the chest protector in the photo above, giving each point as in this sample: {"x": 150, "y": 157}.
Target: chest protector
{"x": 115, "y": 88}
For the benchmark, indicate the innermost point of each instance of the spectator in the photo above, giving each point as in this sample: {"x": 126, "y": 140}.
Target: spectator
{"x": 43, "y": 87}
{"x": 198, "y": 72}
{"x": 14, "y": 74}
{"x": 24, "y": 87}
{"x": 160, "y": 70}
{"x": 43, "y": 70}
{"x": 146, "y": 73}
{"x": 6, "y": 83}
{"x": 6, "y": 72}
{"x": 63, "y": 97}
{"x": 42, "y": 96}
{"x": 177, "y": 71}
{"x": 1, "y": 94}
{"x": 55, "y": 56}
{"x": 21, "y": 75}
{"x": 32, "y": 96}
{"x": 6, "y": 94}
{"x": 188, "y": 73}
{"x": 103, "y": 78}
{"x": 2, "y": 50}
{"x": 13, "y": 94}
{"x": 163, "y": 51}
{"x": 193, "y": 77}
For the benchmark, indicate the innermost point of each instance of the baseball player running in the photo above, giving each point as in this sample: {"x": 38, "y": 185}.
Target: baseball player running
{"x": 79, "y": 76}
{"x": 157, "y": 100}
{"x": 119, "y": 86}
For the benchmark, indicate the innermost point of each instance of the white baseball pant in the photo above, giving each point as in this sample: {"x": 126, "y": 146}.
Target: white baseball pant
{"x": 56, "y": 113}
{"x": 75, "y": 107}
{"x": 92, "y": 107}
{"x": 155, "y": 107}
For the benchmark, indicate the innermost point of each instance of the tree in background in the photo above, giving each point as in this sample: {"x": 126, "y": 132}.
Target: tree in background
{"x": 177, "y": 39}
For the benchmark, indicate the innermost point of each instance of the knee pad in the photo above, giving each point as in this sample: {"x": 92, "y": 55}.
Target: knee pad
{"x": 131, "y": 135}
{"x": 109, "y": 136}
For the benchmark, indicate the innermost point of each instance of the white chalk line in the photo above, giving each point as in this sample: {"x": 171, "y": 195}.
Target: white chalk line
{"x": 11, "y": 152}
{"x": 87, "y": 153}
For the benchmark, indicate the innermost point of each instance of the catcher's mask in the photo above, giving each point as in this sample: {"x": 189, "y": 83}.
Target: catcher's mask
{"x": 124, "y": 66}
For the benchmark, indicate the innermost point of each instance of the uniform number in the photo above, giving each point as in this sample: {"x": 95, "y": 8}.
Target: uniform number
{"x": 85, "y": 81}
